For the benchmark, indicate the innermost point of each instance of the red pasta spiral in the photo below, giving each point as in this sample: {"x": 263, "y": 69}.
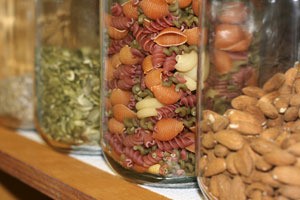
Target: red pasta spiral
{"x": 167, "y": 111}
{"x": 116, "y": 9}
{"x": 180, "y": 141}
{"x": 132, "y": 102}
{"x": 116, "y": 45}
{"x": 115, "y": 142}
{"x": 189, "y": 101}
{"x": 159, "y": 24}
{"x": 158, "y": 56}
{"x": 142, "y": 38}
{"x": 121, "y": 23}
{"x": 133, "y": 139}
{"x": 134, "y": 155}
{"x": 153, "y": 158}
{"x": 169, "y": 64}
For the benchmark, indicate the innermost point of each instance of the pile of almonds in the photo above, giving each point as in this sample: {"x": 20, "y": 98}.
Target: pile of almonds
{"x": 253, "y": 150}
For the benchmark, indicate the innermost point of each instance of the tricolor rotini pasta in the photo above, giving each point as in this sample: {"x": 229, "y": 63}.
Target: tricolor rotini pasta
{"x": 153, "y": 68}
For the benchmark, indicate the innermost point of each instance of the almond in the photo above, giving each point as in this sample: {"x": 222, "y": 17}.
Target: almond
{"x": 224, "y": 186}
{"x": 262, "y": 165}
{"x": 268, "y": 109}
{"x": 215, "y": 166}
{"x": 230, "y": 163}
{"x": 243, "y": 162}
{"x": 238, "y": 115}
{"x": 287, "y": 174}
{"x": 208, "y": 141}
{"x": 238, "y": 189}
{"x": 279, "y": 157}
{"x": 292, "y": 192}
{"x": 230, "y": 139}
{"x": 274, "y": 83}
{"x": 297, "y": 86}
{"x": 295, "y": 149}
{"x": 213, "y": 186}
{"x": 269, "y": 97}
{"x": 243, "y": 101}
{"x": 281, "y": 103}
{"x": 271, "y": 133}
{"x": 259, "y": 115}
{"x": 267, "y": 178}
{"x": 221, "y": 151}
{"x": 295, "y": 100}
{"x": 253, "y": 91}
{"x": 290, "y": 76}
{"x": 263, "y": 146}
{"x": 291, "y": 114}
{"x": 266, "y": 189}
{"x": 245, "y": 127}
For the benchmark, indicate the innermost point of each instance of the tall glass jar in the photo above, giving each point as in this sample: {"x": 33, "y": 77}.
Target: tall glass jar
{"x": 67, "y": 76}
{"x": 16, "y": 63}
{"x": 149, "y": 54}
{"x": 249, "y": 135}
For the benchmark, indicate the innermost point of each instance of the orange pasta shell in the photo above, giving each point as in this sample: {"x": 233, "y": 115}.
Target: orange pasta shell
{"x": 154, "y": 9}
{"x": 114, "y": 126}
{"x": 121, "y": 112}
{"x": 228, "y": 35}
{"x": 170, "y": 37}
{"x": 153, "y": 78}
{"x": 191, "y": 147}
{"x": 147, "y": 64}
{"x": 109, "y": 69}
{"x": 167, "y": 128}
{"x": 126, "y": 57}
{"x": 242, "y": 45}
{"x": 184, "y": 3}
{"x": 195, "y": 34}
{"x": 119, "y": 96}
{"x": 115, "y": 60}
{"x": 116, "y": 33}
{"x": 196, "y": 6}
{"x": 166, "y": 95}
{"x": 223, "y": 62}
{"x": 130, "y": 11}
{"x": 233, "y": 13}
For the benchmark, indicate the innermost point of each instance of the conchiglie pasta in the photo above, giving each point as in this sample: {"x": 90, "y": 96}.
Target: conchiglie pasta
{"x": 187, "y": 61}
{"x": 146, "y": 112}
{"x": 191, "y": 73}
{"x": 190, "y": 83}
{"x": 126, "y": 57}
{"x": 154, "y": 169}
{"x": 148, "y": 103}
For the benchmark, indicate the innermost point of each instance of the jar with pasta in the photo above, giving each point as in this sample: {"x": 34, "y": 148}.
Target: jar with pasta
{"x": 16, "y": 63}
{"x": 67, "y": 74}
{"x": 149, "y": 89}
{"x": 249, "y": 133}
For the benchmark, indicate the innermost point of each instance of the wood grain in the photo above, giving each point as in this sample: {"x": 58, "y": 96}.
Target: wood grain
{"x": 60, "y": 176}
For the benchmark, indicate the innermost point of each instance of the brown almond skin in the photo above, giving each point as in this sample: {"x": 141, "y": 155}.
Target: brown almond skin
{"x": 215, "y": 166}
{"x": 253, "y": 91}
{"x": 230, "y": 139}
{"x": 274, "y": 83}
{"x": 243, "y": 162}
{"x": 287, "y": 174}
{"x": 245, "y": 127}
{"x": 243, "y": 101}
{"x": 263, "y": 146}
{"x": 295, "y": 149}
{"x": 230, "y": 163}
{"x": 238, "y": 189}
{"x": 295, "y": 100}
{"x": 271, "y": 133}
{"x": 279, "y": 157}
{"x": 289, "y": 191}
{"x": 208, "y": 141}
{"x": 268, "y": 109}
{"x": 291, "y": 114}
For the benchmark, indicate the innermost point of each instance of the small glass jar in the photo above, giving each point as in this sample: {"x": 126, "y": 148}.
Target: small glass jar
{"x": 16, "y": 63}
{"x": 150, "y": 57}
{"x": 67, "y": 76}
{"x": 249, "y": 110}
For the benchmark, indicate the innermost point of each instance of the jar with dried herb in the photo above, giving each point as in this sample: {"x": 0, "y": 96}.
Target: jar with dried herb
{"x": 67, "y": 74}
{"x": 16, "y": 63}
{"x": 149, "y": 87}
{"x": 249, "y": 132}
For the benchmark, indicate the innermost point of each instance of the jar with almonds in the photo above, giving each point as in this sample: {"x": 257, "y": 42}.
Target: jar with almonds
{"x": 67, "y": 74}
{"x": 249, "y": 131}
{"x": 16, "y": 63}
{"x": 150, "y": 57}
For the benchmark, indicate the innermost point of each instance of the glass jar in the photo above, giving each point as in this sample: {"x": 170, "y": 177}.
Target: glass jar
{"x": 16, "y": 63}
{"x": 249, "y": 112}
{"x": 149, "y": 54}
{"x": 68, "y": 74}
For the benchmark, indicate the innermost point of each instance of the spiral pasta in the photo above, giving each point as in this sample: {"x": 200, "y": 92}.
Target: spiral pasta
{"x": 180, "y": 141}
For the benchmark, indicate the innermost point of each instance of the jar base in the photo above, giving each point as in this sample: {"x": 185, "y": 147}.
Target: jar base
{"x": 152, "y": 180}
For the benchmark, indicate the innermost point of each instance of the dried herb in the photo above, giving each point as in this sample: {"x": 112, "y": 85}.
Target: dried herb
{"x": 68, "y": 94}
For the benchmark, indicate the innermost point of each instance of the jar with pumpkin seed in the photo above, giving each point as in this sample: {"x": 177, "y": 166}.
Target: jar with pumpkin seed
{"x": 249, "y": 132}
{"x": 150, "y": 58}
{"x": 16, "y": 63}
{"x": 67, "y": 74}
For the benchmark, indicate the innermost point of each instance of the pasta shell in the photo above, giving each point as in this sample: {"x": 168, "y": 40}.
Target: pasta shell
{"x": 222, "y": 61}
{"x": 233, "y": 13}
{"x": 154, "y": 9}
{"x": 194, "y": 36}
{"x": 115, "y": 60}
{"x": 190, "y": 83}
{"x": 148, "y": 103}
{"x": 196, "y": 6}
{"x": 184, "y": 3}
{"x": 116, "y": 33}
{"x": 109, "y": 69}
{"x": 242, "y": 45}
{"x": 228, "y": 35}
{"x": 121, "y": 112}
{"x": 153, "y": 78}
{"x": 119, "y": 96}
{"x": 114, "y": 126}
{"x": 191, "y": 147}
{"x": 130, "y": 10}
{"x": 146, "y": 112}
{"x": 166, "y": 95}
{"x": 126, "y": 57}
{"x": 167, "y": 128}
{"x": 107, "y": 104}
{"x": 186, "y": 61}
{"x": 170, "y": 37}
{"x": 147, "y": 64}
{"x": 154, "y": 169}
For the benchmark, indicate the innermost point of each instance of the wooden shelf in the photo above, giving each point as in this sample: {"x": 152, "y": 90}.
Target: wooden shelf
{"x": 59, "y": 176}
